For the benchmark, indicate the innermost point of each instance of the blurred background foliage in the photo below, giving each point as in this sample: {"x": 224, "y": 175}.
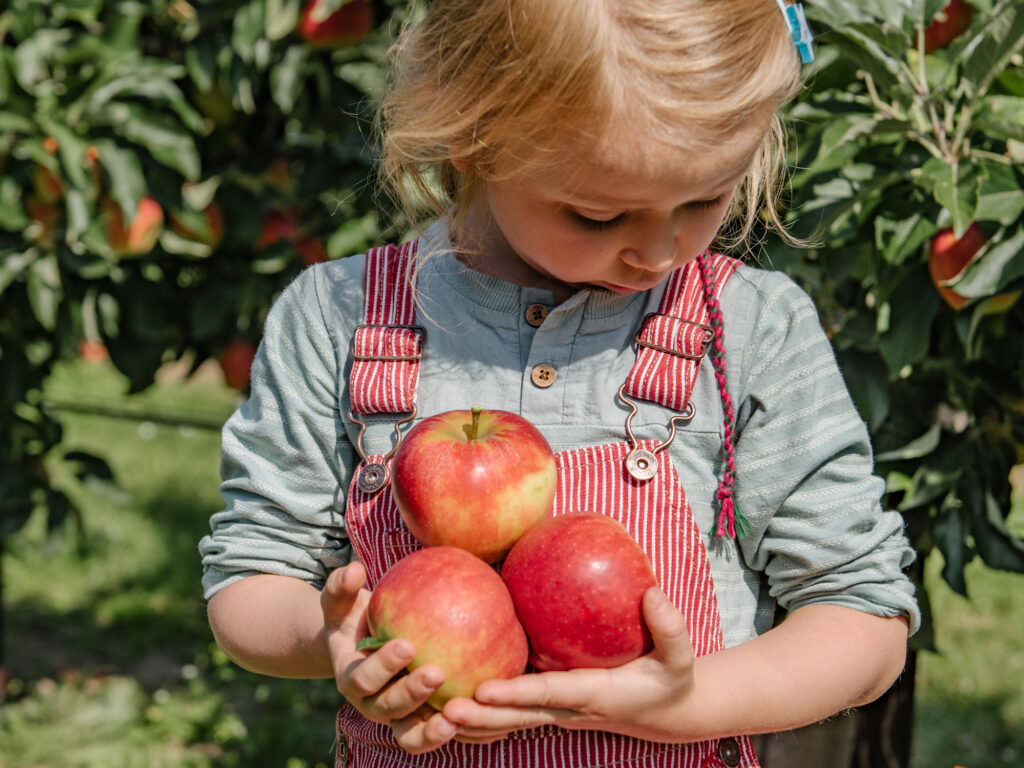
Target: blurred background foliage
{"x": 167, "y": 167}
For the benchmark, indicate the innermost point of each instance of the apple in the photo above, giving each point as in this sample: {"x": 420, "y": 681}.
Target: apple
{"x": 311, "y": 250}
{"x": 45, "y": 217}
{"x": 948, "y": 256}
{"x": 457, "y": 613}
{"x": 474, "y": 479}
{"x": 348, "y": 25}
{"x": 236, "y": 363}
{"x": 278, "y": 226}
{"x": 138, "y": 237}
{"x": 48, "y": 186}
{"x": 948, "y": 25}
{"x": 206, "y": 226}
{"x": 577, "y": 581}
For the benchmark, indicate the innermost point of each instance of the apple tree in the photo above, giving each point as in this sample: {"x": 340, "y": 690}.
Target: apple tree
{"x": 909, "y": 148}
{"x": 166, "y": 168}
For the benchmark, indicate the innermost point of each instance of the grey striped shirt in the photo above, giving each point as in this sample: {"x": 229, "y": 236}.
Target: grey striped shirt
{"x": 803, "y": 458}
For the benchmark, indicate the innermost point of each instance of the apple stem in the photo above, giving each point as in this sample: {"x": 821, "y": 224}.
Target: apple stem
{"x": 475, "y": 426}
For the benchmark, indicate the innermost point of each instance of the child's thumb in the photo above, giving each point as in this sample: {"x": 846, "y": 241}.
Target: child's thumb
{"x": 668, "y": 629}
{"x": 342, "y": 587}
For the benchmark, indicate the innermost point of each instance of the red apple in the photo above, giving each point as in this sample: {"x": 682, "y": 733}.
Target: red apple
{"x": 278, "y": 226}
{"x": 206, "y": 226}
{"x": 577, "y": 581}
{"x": 48, "y": 186}
{"x": 46, "y": 217}
{"x": 348, "y": 25}
{"x": 473, "y": 479}
{"x": 948, "y": 256}
{"x": 138, "y": 237}
{"x": 457, "y": 613}
{"x": 948, "y": 25}
{"x": 311, "y": 250}
{"x": 236, "y": 362}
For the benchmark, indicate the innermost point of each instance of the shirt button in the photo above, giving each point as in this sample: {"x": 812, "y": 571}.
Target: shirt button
{"x": 535, "y": 314}
{"x": 543, "y": 375}
{"x": 729, "y": 752}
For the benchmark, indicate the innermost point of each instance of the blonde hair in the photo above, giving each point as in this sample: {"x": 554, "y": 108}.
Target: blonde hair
{"x": 512, "y": 86}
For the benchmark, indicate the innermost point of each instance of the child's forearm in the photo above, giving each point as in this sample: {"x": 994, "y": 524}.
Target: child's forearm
{"x": 822, "y": 659}
{"x": 273, "y": 625}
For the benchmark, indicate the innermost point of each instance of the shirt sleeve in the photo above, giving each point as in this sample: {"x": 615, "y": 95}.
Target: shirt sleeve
{"x": 804, "y": 469}
{"x": 284, "y": 456}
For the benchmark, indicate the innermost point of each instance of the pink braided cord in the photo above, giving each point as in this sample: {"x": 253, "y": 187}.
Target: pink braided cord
{"x": 729, "y": 518}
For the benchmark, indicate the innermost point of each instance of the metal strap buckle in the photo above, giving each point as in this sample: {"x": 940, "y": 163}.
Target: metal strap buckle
{"x": 375, "y": 474}
{"x": 641, "y": 463}
{"x": 388, "y": 358}
{"x": 709, "y": 334}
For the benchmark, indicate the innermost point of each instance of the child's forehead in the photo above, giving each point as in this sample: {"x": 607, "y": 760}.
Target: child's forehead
{"x": 628, "y": 164}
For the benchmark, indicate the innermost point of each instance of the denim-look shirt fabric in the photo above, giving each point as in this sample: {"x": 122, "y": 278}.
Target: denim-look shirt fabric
{"x": 818, "y": 533}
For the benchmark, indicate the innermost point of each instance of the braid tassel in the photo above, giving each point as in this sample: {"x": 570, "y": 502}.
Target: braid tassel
{"x": 730, "y": 521}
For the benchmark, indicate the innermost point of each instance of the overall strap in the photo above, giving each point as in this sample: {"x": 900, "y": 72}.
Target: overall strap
{"x": 672, "y": 344}
{"x": 674, "y": 340}
{"x": 387, "y": 345}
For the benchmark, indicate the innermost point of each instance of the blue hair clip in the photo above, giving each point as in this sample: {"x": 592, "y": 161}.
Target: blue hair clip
{"x": 797, "y": 22}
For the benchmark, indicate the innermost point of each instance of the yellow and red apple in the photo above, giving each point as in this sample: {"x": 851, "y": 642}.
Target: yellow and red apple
{"x": 457, "y": 613}
{"x": 949, "y": 255}
{"x": 476, "y": 479}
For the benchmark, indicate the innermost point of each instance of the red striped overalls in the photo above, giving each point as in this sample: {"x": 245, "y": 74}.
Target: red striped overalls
{"x": 671, "y": 343}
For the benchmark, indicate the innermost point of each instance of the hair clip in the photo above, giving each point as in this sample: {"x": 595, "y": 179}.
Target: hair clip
{"x": 797, "y": 22}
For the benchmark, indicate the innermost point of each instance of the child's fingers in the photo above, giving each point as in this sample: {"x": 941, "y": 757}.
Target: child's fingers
{"x": 365, "y": 676}
{"x": 416, "y": 734}
{"x": 407, "y": 694}
{"x": 668, "y": 629}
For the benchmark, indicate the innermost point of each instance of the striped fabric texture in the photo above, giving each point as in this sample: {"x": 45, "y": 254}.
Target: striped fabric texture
{"x": 672, "y": 342}
{"x": 594, "y": 479}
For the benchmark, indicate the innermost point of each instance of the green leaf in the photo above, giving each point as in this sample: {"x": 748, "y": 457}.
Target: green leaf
{"x": 996, "y": 544}
{"x": 14, "y": 265}
{"x": 369, "y": 644}
{"x": 1003, "y": 36}
{"x": 282, "y": 17}
{"x": 167, "y": 143}
{"x": 955, "y": 188}
{"x": 950, "y": 537}
{"x": 915, "y": 449}
{"x": 912, "y": 307}
{"x": 44, "y": 290}
{"x": 867, "y": 379}
{"x": 1000, "y": 116}
{"x": 15, "y": 123}
{"x": 994, "y": 268}
{"x": 247, "y": 28}
{"x": 1001, "y": 197}
{"x": 286, "y": 78}
{"x": 127, "y": 181}
{"x": 896, "y": 239}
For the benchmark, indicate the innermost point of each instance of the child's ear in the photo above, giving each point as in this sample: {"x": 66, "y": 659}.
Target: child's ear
{"x": 460, "y": 163}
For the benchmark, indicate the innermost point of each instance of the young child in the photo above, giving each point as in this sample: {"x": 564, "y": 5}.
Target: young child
{"x": 582, "y": 158}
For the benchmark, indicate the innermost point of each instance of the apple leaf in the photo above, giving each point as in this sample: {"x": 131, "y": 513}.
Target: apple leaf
{"x": 995, "y": 268}
{"x": 44, "y": 290}
{"x": 915, "y": 449}
{"x": 369, "y": 644}
{"x": 1003, "y": 37}
{"x": 955, "y": 188}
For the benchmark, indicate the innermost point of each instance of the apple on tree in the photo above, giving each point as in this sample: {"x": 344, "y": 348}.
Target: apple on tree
{"x": 457, "y": 613}
{"x": 348, "y": 23}
{"x": 949, "y": 255}
{"x": 236, "y": 363}
{"x": 474, "y": 479}
{"x": 949, "y": 24}
{"x": 577, "y": 581}
{"x": 137, "y": 237}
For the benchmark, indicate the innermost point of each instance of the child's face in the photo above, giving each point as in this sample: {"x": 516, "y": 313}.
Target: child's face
{"x": 610, "y": 226}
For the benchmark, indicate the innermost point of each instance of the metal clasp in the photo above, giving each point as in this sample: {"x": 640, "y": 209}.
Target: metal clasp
{"x": 709, "y": 334}
{"x": 641, "y": 463}
{"x": 375, "y": 474}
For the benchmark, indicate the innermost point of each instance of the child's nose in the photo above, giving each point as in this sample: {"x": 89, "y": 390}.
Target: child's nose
{"x": 652, "y": 256}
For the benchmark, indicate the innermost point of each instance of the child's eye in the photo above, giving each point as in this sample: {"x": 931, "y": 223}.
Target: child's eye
{"x": 706, "y": 205}
{"x": 596, "y": 225}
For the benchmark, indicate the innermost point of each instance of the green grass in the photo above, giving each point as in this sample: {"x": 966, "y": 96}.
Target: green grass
{"x": 113, "y": 664}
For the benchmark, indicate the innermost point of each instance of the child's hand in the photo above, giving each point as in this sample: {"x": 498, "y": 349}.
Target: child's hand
{"x": 367, "y": 679}
{"x": 640, "y": 698}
